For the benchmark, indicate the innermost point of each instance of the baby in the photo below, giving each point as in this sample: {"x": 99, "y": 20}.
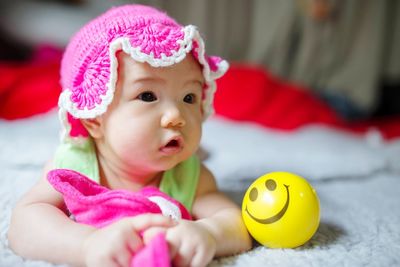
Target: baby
{"x": 136, "y": 88}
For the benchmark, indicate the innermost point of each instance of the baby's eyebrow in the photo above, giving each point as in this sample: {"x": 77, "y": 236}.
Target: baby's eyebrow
{"x": 199, "y": 81}
{"x": 148, "y": 79}
{"x": 153, "y": 79}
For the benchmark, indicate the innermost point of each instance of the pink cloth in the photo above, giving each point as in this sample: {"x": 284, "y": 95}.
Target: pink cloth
{"x": 93, "y": 204}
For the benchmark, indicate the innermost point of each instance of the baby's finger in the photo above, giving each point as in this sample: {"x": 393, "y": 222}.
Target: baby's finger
{"x": 123, "y": 257}
{"x": 142, "y": 222}
{"x": 184, "y": 256}
{"x": 201, "y": 258}
{"x": 134, "y": 243}
{"x": 150, "y": 233}
{"x": 180, "y": 260}
{"x": 174, "y": 243}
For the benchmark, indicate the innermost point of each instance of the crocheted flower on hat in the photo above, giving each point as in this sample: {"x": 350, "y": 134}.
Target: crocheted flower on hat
{"x": 156, "y": 40}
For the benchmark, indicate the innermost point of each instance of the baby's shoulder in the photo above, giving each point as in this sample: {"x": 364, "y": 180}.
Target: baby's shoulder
{"x": 42, "y": 191}
{"x": 206, "y": 182}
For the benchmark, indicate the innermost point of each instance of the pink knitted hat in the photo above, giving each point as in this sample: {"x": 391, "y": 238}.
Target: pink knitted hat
{"x": 89, "y": 65}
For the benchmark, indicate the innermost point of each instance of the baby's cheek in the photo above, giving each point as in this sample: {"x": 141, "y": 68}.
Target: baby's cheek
{"x": 196, "y": 133}
{"x": 120, "y": 139}
{"x": 128, "y": 144}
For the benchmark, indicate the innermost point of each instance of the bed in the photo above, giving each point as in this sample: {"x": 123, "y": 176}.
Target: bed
{"x": 357, "y": 178}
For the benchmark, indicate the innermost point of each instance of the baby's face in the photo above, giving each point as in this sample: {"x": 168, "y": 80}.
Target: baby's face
{"x": 155, "y": 119}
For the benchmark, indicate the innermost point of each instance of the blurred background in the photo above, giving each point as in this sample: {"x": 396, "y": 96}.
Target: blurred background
{"x": 346, "y": 52}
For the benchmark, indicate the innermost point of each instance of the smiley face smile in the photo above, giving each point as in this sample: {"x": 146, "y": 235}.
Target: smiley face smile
{"x": 277, "y": 216}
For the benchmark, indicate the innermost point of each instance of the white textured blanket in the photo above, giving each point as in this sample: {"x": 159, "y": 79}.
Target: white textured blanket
{"x": 357, "y": 179}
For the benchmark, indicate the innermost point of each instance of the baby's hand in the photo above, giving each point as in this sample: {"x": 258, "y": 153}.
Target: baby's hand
{"x": 115, "y": 244}
{"x": 191, "y": 244}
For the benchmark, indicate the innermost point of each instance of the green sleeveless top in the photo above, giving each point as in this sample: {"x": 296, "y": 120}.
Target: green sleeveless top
{"x": 179, "y": 182}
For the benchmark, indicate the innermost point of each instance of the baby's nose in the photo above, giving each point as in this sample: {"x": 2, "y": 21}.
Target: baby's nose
{"x": 172, "y": 117}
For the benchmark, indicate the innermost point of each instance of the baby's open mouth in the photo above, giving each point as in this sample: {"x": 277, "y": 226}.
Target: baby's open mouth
{"x": 173, "y": 146}
{"x": 173, "y": 143}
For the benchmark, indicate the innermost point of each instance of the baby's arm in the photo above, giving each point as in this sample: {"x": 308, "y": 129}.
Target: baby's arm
{"x": 40, "y": 229}
{"x": 217, "y": 231}
{"x": 221, "y": 216}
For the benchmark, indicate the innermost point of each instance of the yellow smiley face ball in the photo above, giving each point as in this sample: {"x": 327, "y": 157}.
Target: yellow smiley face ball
{"x": 281, "y": 210}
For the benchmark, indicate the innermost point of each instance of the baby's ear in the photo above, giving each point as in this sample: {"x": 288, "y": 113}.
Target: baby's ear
{"x": 93, "y": 126}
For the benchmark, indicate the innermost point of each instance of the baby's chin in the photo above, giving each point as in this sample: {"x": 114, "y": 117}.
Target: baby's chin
{"x": 169, "y": 162}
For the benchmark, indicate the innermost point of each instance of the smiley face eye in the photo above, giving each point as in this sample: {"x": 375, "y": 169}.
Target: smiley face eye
{"x": 270, "y": 184}
{"x": 253, "y": 194}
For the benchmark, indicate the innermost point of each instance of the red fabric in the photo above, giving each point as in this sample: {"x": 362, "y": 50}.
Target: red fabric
{"x": 250, "y": 93}
{"x": 388, "y": 127}
{"x": 245, "y": 93}
{"x": 29, "y": 88}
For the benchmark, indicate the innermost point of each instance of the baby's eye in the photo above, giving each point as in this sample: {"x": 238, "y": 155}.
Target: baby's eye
{"x": 147, "y": 96}
{"x": 190, "y": 98}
